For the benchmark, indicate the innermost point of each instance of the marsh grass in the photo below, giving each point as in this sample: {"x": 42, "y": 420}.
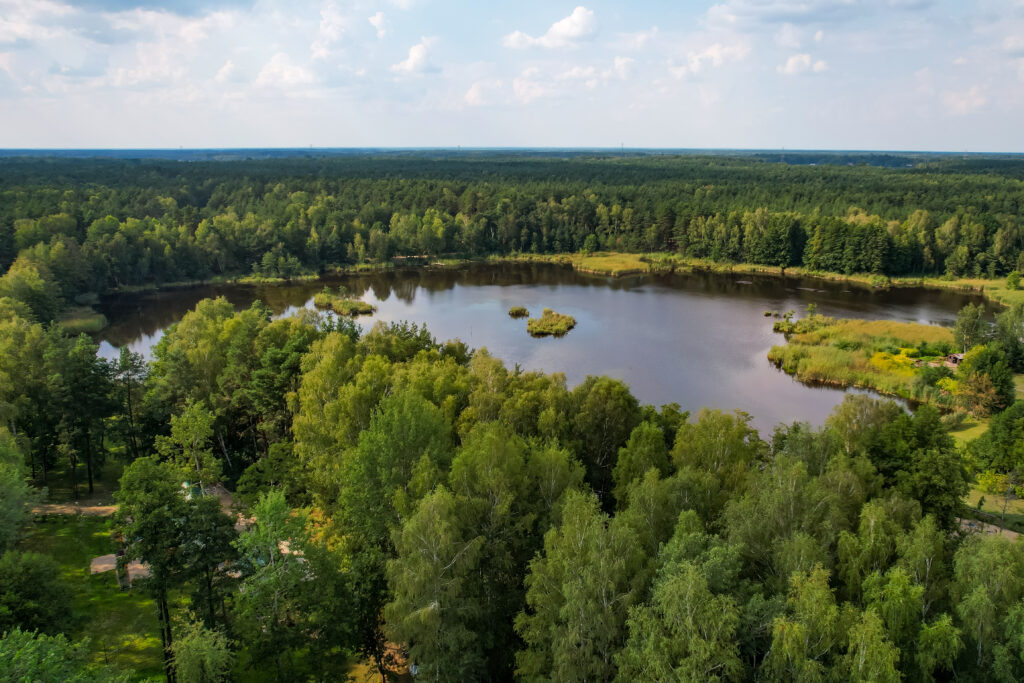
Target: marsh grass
{"x": 341, "y": 305}
{"x": 550, "y": 323}
{"x": 875, "y": 354}
{"x": 121, "y": 625}
{"x": 81, "y": 319}
{"x": 518, "y": 312}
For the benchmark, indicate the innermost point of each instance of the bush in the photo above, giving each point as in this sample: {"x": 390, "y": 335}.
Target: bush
{"x": 518, "y": 312}
{"x": 1013, "y": 280}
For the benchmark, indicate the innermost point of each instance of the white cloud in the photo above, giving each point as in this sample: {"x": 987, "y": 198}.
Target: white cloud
{"x": 479, "y": 94}
{"x": 788, "y": 36}
{"x": 801, "y": 63}
{"x": 417, "y": 61}
{"x": 5, "y": 63}
{"x": 31, "y": 19}
{"x": 623, "y": 66}
{"x": 332, "y": 25}
{"x": 819, "y": 36}
{"x": 225, "y": 72}
{"x": 714, "y": 55}
{"x": 379, "y": 22}
{"x": 637, "y": 40}
{"x": 563, "y": 33}
{"x": 965, "y": 102}
{"x": 1014, "y": 45}
{"x": 281, "y": 72}
{"x": 528, "y": 88}
{"x": 749, "y": 12}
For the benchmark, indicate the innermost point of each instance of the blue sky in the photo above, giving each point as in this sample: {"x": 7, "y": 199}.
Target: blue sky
{"x": 849, "y": 74}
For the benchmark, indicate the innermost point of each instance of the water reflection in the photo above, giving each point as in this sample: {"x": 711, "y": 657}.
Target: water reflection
{"x": 698, "y": 339}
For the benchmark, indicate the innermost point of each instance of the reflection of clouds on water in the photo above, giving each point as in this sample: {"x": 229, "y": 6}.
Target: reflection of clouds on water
{"x": 142, "y": 344}
{"x": 696, "y": 339}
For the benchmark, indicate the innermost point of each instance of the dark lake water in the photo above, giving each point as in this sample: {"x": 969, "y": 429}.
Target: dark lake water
{"x": 698, "y": 339}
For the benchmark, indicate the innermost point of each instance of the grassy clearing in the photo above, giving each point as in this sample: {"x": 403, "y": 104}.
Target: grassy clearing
{"x": 969, "y": 430}
{"x": 341, "y": 305}
{"x": 79, "y": 319}
{"x": 518, "y": 312}
{"x": 991, "y": 510}
{"x": 121, "y": 625}
{"x": 550, "y": 323}
{"x": 875, "y": 354}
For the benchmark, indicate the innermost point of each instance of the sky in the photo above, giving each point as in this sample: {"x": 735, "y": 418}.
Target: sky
{"x": 940, "y": 75}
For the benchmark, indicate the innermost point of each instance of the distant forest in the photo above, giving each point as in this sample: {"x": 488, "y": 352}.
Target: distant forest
{"x": 89, "y": 225}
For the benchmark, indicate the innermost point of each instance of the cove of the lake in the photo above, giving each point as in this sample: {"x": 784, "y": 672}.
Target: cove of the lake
{"x": 697, "y": 339}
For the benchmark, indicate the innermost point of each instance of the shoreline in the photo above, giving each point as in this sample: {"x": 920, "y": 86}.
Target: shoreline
{"x": 615, "y": 264}
{"x": 604, "y": 264}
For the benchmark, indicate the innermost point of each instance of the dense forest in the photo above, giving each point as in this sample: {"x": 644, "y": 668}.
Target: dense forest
{"x": 308, "y": 498}
{"x": 496, "y": 523}
{"x": 90, "y": 225}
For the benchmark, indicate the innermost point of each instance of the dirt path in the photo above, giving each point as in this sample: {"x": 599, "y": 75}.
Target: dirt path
{"x": 982, "y": 527}
{"x": 73, "y": 509}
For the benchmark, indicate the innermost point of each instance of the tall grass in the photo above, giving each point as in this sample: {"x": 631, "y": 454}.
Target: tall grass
{"x": 876, "y": 354}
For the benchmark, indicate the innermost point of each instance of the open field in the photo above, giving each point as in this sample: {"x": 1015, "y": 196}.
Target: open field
{"x": 121, "y": 625}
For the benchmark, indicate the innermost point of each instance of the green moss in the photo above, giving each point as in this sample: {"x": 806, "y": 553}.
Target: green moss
{"x": 518, "y": 312}
{"x": 550, "y": 323}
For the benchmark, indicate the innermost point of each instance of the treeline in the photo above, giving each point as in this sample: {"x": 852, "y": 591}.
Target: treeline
{"x": 495, "y": 524}
{"x": 90, "y": 225}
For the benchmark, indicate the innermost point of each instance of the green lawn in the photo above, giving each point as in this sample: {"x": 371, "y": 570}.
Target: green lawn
{"x": 121, "y": 625}
{"x": 993, "y": 506}
{"x": 969, "y": 430}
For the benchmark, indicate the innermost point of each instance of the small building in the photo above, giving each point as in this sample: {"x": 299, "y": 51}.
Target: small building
{"x": 953, "y": 360}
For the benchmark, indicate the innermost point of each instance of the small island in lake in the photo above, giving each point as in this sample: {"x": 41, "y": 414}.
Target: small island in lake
{"x": 550, "y": 323}
{"x": 518, "y": 312}
{"x": 341, "y": 305}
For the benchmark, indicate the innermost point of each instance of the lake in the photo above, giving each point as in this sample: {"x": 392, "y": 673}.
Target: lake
{"x": 698, "y": 339}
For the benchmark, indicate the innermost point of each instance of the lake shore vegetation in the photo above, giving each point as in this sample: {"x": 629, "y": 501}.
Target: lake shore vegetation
{"x": 341, "y": 304}
{"x": 550, "y": 323}
{"x": 899, "y": 359}
{"x": 518, "y": 312}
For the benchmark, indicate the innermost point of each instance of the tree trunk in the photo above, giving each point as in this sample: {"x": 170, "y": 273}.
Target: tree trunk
{"x": 74, "y": 475}
{"x": 166, "y": 636}
{"x": 209, "y": 597}
{"x": 224, "y": 449}
{"x": 131, "y": 420}
{"x": 88, "y": 459}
